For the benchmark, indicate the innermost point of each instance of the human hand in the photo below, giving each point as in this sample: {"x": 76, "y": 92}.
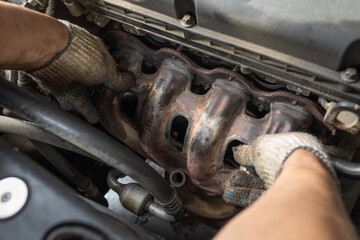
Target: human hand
{"x": 84, "y": 61}
{"x": 243, "y": 188}
{"x": 269, "y": 152}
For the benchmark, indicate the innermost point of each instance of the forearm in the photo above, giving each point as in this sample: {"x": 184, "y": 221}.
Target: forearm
{"x": 304, "y": 203}
{"x": 28, "y": 39}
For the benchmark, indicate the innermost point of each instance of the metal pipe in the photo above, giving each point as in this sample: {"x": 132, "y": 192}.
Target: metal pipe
{"x": 156, "y": 210}
{"x": 59, "y": 162}
{"x": 91, "y": 140}
{"x": 347, "y": 169}
{"x": 32, "y": 131}
{"x": 112, "y": 181}
{"x": 84, "y": 184}
{"x": 139, "y": 199}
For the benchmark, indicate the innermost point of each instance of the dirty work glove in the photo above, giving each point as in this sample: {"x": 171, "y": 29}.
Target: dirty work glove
{"x": 84, "y": 61}
{"x": 269, "y": 152}
{"x": 243, "y": 188}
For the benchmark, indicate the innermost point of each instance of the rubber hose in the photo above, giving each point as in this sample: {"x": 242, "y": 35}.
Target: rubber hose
{"x": 32, "y": 131}
{"x": 89, "y": 139}
{"x": 347, "y": 169}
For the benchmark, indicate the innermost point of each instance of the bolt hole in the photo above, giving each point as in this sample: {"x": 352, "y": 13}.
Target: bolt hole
{"x": 128, "y": 105}
{"x": 178, "y": 131}
{"x": 256, "y": 110}
{"x": 149, "y": 67}
{"x": 177, "y": 178}
{"x": 229, "y": 159}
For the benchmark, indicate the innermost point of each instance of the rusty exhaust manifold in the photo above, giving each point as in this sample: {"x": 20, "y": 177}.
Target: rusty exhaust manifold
{"x": 181, "y": 127}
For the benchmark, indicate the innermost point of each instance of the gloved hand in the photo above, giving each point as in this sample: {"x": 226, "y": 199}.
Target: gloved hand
{"x": 84, "y": 61}
{"x": 243, "y": 188}
{"x": 269, "y": 152}
{"x": 267, "y": 155}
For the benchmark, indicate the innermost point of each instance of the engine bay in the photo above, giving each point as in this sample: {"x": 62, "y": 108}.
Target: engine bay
{"x": 197, "y": 93}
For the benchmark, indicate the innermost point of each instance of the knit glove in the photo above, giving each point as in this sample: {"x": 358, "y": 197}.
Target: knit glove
{"x": 84, "y": 61}
{"x": 269, "y": 152}
{"x": 243, "y": 188}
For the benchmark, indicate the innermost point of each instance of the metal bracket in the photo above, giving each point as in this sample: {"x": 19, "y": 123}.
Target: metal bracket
{"x": 344, "y": 115}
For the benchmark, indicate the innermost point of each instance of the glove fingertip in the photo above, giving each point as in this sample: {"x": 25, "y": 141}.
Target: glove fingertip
{"x": 77, "y": 98}
{"x": 122, "y": 82}
{"x": 242, "y": 154}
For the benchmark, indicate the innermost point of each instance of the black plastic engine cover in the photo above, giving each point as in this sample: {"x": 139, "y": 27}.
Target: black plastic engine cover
{"x": 52, "y": 210}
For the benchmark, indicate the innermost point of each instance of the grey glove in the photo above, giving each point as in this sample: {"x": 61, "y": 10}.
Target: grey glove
{"x": 269, "y": 152}
{"x": 243, "y": 188}
{"x": 84, "y": 61}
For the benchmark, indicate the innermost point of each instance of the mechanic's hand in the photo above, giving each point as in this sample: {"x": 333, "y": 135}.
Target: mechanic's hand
{"x": 243, "y": 188}
{"x": 84, "y": 61}
{"x": 269, "y": 152}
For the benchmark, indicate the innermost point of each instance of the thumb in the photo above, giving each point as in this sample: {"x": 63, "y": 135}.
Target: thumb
{"x": 120, "y": 81}
{"x": 77, "y": 98}
{"x": 243, "y": 154}
{"x": 242, "y": 196}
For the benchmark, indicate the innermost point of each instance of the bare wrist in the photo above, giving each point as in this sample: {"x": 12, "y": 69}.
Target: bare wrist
{"x": 60, "y": 39}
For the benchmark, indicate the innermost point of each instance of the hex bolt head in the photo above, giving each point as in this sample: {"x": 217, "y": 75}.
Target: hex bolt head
{"x": 350, "y": 75}
{"x": 187, "y": 21}
{"x": 347, "y": 118}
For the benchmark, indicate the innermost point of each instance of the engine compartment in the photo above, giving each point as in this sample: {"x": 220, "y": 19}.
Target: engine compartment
{"x": 186, "y": 117}
{"x": 191, "y": 103}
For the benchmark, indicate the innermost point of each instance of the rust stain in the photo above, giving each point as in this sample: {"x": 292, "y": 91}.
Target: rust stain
{"x": 214, "y": 118}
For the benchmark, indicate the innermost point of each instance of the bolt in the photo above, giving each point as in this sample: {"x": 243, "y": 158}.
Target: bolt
{"x": 347, "y": 118}
{"x": 261, "y": 107}
{"x": 245, "y": 70}
{"x": 187, "y": 21}
{"x": 5, "y": 197}
{"x": 350, "y": 75}
{"x": 294, "y": 102}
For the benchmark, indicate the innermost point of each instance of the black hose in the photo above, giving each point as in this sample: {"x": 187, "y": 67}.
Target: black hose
{"x": 84, "y": 184}
{"x": 89, "y": 139}
{"x": 32, "y": 131}
{"x": 347, "y": 169}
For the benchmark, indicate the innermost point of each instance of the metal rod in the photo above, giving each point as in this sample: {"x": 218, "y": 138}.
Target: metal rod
{"x": 150, "y": 206}
{"x": 112, "y": 180}
{"x": 347, "y": 169}
{"x": 84, "y": 184}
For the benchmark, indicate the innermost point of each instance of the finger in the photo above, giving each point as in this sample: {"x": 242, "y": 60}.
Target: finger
{"x": 120, "y": 81}
{"x": 78, "y": 98}
{"x": 240, "y": 178}
{"x": 242, "y": 154}
{"x": 242, "y": 196}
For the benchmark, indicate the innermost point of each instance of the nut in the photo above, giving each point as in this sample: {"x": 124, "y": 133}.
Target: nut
{"x": 350, "y": 75}
{"x": 187, "y": 21}
{"x": 347, "y": 118}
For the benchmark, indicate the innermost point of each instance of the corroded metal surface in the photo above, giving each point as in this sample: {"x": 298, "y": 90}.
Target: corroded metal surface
{"x": 217, "y": 115}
